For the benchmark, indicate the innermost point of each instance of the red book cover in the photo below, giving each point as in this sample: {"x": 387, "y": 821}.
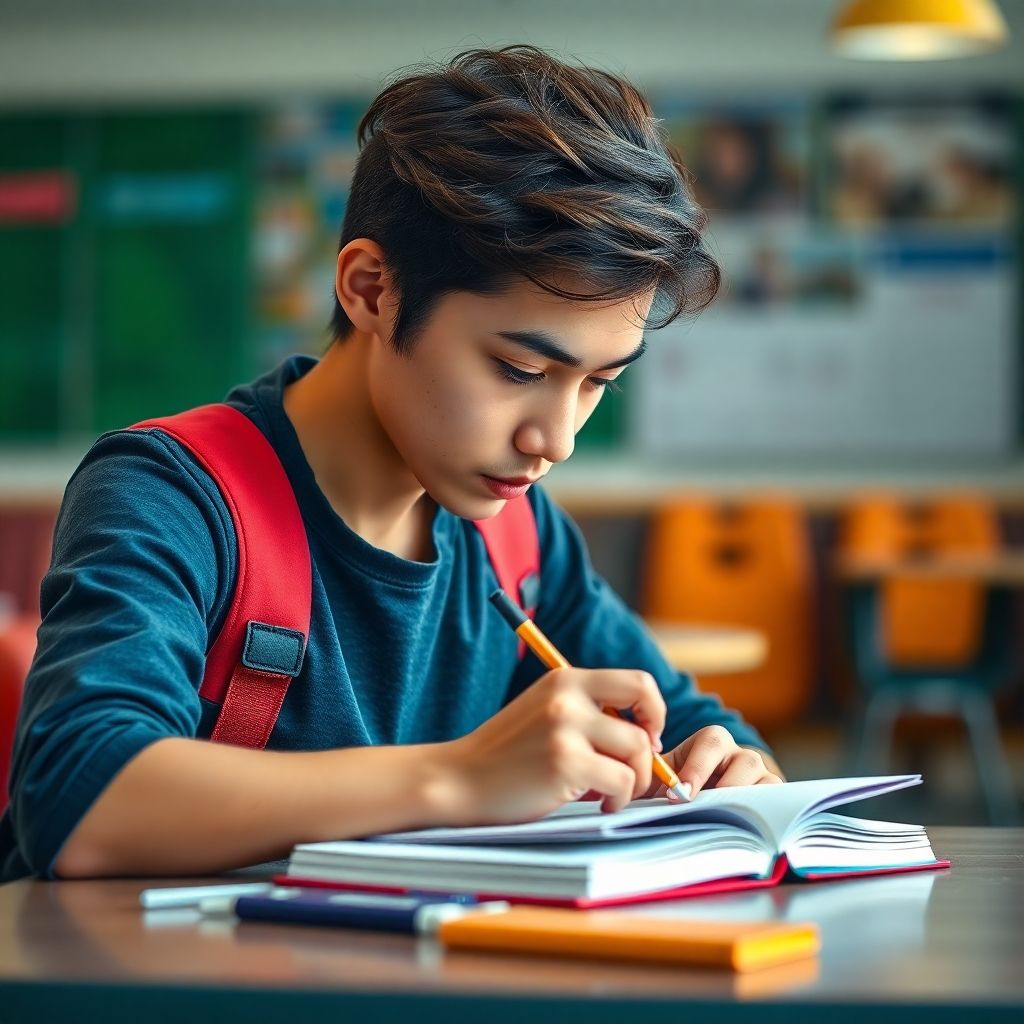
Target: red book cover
{"x": 712, "y": 888}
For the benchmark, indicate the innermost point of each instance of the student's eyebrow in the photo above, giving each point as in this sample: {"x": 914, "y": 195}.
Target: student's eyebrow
{"x": 543, "y": 344}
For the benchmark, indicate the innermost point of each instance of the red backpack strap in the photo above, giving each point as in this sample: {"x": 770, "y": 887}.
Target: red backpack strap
{"x": 513, "y": 547}
{"x": 261, "y": 644}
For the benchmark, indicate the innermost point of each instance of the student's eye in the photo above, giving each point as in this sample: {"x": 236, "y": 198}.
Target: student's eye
{"x": 515, "y": 375}
{"x": 603, "y": 384}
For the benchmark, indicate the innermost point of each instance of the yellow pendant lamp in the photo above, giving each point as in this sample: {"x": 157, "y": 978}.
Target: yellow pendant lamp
{"x": 917, "y": 29}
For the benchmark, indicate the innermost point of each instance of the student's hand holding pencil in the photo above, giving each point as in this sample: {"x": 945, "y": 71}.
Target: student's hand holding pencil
{"x": 711, "y": 758}
{"x": 554, "y": 743}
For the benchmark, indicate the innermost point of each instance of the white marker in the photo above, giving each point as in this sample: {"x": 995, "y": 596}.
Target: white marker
{"x": 192, "y": 895}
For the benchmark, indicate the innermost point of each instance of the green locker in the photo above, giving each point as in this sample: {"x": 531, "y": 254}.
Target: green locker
{"x": 170, "y": 210}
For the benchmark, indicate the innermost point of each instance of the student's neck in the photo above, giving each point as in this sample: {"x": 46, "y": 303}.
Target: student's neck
{"x": 354, "y": 462}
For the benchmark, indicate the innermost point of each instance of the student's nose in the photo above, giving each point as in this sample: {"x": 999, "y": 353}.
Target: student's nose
{"x": 550, "y": 432}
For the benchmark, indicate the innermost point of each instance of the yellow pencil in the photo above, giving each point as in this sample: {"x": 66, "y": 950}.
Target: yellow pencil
{"x": 528, "y": 632}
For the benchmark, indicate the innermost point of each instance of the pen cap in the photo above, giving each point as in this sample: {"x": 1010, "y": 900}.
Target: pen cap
{"x": 217, "y": 906}
{"x": 429, "y": 918}
{"x": 221, "y": 905}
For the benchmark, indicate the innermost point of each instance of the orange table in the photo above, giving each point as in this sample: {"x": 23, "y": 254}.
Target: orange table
{"x": 710, "y": 650}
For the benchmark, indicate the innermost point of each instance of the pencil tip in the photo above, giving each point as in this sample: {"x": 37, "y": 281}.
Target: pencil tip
{"x": 681, "y": 791}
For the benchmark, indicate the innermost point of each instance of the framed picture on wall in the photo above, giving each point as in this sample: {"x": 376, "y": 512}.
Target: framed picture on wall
{"x": 926, "y": 161}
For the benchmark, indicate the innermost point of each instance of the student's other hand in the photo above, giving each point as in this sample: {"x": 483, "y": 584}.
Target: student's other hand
{"x": 554, "y": 743}
{"x": 712, "y": 758}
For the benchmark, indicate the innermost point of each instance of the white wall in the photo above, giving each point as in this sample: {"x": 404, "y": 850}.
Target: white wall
{"x": 81, "y": 51}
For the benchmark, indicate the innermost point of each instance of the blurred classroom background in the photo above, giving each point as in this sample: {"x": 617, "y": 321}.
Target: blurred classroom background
{"x": 814, "y": 491}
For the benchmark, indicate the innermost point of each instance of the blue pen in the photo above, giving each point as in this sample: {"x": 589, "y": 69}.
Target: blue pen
{"x": 419, "y": 913}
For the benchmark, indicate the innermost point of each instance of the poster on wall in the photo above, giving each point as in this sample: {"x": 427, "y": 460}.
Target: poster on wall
{"x": 747, "y": 158}
{"x": 875, "y": 314}
{"x": 306, "y": 157}
{"x": 927, "y": 163}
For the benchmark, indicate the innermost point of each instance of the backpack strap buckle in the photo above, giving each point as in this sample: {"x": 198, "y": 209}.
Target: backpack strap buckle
{"x": 273, "y": 649}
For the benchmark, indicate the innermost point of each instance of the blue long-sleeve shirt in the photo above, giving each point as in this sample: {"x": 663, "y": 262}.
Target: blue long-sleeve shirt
{"x": 399, "y": 651}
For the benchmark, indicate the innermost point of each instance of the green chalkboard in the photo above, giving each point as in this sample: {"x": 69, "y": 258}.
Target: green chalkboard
{"x": 34, "y": 266}
{"x": 170, "y": 216}
{"x": 137, "y": 302}
{"x": 606, "y": 427}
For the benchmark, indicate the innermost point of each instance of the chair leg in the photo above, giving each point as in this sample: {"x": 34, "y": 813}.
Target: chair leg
{"x": 874, "y": 733}
{"x": 993, "y": 770}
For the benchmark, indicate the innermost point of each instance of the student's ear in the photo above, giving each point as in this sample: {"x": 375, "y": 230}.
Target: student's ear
{"x": 365, "y": 289}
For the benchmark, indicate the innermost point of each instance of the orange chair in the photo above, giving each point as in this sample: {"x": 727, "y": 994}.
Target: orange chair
{"x": 17, "y": 648}
{"x": 744, "y": 564}
{"x": 930, "y": 646}
{"x": 932, "y": 623}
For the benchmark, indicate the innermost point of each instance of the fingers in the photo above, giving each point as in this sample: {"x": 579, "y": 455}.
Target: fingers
{"x": 746, "y": 768}
{"x": 697, "y": 761}
{"x": 632, "y": 689}
{"x": 618, "y": 752}
{"x": 711, "y": 757}
{"x": 584, "y": 770}
{"x": 612, "y": 779}
{"x": 623, "y": 741}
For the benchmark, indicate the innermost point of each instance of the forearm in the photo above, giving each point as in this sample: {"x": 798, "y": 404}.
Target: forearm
{"x": 185, "y": 806}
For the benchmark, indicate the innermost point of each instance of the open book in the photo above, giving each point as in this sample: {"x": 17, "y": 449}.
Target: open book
{"x": 651, "y": 849}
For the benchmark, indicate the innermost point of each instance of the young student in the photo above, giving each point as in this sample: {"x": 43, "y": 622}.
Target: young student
{"x": 514, "y": 223}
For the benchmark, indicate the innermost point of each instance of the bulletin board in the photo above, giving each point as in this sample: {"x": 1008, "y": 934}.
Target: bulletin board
{"x": 869, "y": 307}
{"x": 151, "y": 259}
{"x": 921, "y": 362}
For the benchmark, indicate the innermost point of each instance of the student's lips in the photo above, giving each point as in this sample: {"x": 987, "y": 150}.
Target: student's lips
{"x": 508, "y": 487}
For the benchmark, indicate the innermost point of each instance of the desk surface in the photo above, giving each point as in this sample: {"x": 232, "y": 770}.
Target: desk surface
{"x": 1005, "y": 568}
{"x": 710, "y": 650}
{"x": 933, "y": 945}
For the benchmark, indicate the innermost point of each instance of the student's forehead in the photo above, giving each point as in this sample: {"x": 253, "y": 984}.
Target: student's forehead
{"x": 525, "y": 307}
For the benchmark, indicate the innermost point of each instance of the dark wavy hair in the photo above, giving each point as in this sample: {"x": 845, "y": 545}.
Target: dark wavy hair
{"x": 509, "y": 164}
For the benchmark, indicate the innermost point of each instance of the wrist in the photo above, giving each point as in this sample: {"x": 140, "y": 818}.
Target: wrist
{"x": 443, "y": 787}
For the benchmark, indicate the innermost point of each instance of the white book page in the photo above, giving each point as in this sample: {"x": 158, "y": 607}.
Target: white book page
{"x": 807, "y": 856}
{"x": 834, "y": 841}
{"x": 773, "y": 812}
{"x": 521, "y": 854}
{"x": 567, "y": 869}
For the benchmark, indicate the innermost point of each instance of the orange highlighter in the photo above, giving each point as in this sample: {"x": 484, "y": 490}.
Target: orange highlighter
{"x": 612, "y": 935}
{"x": 527, "y": 630}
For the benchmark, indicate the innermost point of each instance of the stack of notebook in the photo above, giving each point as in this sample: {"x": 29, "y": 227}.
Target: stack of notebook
{"x": 736, "y": 838}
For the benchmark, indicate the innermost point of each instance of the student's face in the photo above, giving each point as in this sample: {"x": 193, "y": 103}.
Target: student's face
{"x": 488, "y": 393}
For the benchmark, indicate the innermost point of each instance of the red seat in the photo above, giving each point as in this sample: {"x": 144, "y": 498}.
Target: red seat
{"x": 17, "y": 648}
{"x": 26, "y": 533}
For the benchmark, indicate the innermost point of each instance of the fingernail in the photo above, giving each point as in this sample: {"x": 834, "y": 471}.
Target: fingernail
{"x": 657, "y": 745}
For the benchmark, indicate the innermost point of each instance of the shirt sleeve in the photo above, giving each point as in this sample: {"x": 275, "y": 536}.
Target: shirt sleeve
{"x": 592, "y": 626}
{"x": 143, "y": 552}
